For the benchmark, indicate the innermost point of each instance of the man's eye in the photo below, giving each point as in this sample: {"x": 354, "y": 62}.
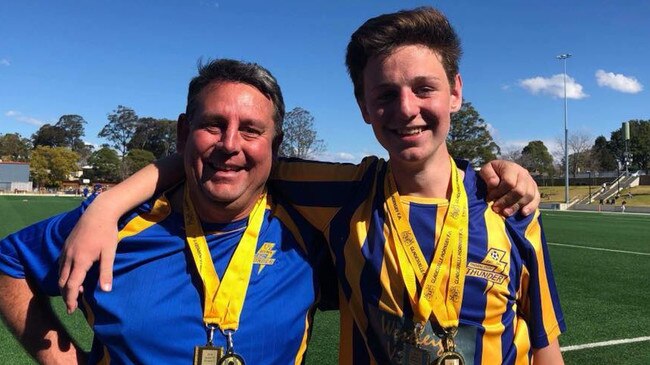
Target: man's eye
{"x": 212, "y": 128}
{"x": 249, "y": 131}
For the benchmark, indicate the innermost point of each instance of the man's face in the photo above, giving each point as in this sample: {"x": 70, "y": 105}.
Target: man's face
{"x": 408, "y": 101}
{"x": 228, "y": 149}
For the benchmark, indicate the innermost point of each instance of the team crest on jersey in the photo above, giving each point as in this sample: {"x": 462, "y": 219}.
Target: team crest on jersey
{"x": 492, "y": 268}
{"x": 264, "y": 256}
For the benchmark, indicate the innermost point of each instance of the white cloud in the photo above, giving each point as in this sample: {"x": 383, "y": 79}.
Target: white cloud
{"x": 618, "y": 82}
{"x": 350, "y": 157}
{"x": 4, "y": 62}
{"x": 18, "y": 116}
{"x": 554, "y": 86}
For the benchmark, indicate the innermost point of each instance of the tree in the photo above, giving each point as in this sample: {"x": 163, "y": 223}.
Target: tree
{"x": 300, "y": 136}
{"x": 51, "y": 165}
{"x": 73, "y": 128}
{"x": 85, "y": 153}
{"x": 602, "y": 155}
{"x": 137, "y": 159}
{"x": 155, "y": 135}
{"x": 469, "y": 137}
{"x": 49, "y": 135}
{"x": 105, "y": 165}
{"x": 121, "y": 127}
{"x": 579, "y": 152}
{"x": 536, "y": 158}
{"x": 13, "y": 147}
{"x": 638, "y": 145}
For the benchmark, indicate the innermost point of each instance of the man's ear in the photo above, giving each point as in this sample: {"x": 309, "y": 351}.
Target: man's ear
{"x": 456, "y": 100}
{"x": 275, "y": 147}
{"x": 182, "y": 132}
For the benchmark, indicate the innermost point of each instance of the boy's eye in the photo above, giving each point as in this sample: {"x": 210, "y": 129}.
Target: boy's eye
{"x": 386, "y": 96}
{"x": 423, "y": 90}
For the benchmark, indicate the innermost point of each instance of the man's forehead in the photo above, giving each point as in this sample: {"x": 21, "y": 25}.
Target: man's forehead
{"x": 234, "y": 96}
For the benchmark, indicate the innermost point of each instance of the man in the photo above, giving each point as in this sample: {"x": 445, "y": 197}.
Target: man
{"x": 214, "y": 269}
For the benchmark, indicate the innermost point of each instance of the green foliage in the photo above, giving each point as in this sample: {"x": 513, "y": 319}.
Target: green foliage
{"x": 137, "y": 159}
{"x": 51, "y": 165}
{"x": 536, "y": 158}
{"x": 73, "y": 128}
{"x": 49, "y": 135}
{"x": 13, "y": 147}
{"x": 105, "y": 165}
{"x": 300, "y": 138}
{"x": 602, "y": 155}
{"x": 638, "y": 145}
{"x": 469, "y": 137}
{"x": 121, "y": 127}
{"x": 155, "y": 135}
{"x": 67, "y": 132}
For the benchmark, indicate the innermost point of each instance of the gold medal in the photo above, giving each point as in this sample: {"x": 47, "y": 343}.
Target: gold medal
{"x": 207, "y": 355}
{"x": 231, "y": 359}
{"x": 450, "y": 358}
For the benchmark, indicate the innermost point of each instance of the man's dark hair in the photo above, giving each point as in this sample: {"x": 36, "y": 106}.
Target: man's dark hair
{"x": 227, "y": 70}
{"x": 381, "y": 35}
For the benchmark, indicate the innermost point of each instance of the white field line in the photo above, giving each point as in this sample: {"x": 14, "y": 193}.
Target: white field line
{"x": 604, "y": 343}
{"x": 598, "y": 249}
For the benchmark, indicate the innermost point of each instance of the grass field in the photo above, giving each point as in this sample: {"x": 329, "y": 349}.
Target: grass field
{"x": 601, "y": 263}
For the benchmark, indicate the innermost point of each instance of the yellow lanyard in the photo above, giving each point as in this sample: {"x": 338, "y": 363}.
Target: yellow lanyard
{"x": 223, "y": 301}
{"x": 443, "y": 282}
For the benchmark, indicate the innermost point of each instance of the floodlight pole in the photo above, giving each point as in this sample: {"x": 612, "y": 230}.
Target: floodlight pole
{"x": 563, "y": 57}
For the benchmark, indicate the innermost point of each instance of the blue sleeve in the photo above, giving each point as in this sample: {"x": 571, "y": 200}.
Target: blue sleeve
{"x": 33, "y": 252}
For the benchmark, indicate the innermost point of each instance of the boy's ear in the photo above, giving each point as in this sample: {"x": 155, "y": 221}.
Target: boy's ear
{"x": 456, "y": 100}
{"x": 364, "y": 110}
{"x": 182, "y": 132}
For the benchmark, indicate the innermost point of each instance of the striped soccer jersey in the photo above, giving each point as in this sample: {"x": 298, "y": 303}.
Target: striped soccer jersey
{"x": 154, "y": 313}
{"x": 510, "y": 302}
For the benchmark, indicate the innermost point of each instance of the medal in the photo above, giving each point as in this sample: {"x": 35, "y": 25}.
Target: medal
{"x": 223, "y": 299}
{"x": 208, "y": 354}
{"x": 450, "y": 356}
{"x": 231, "y": 358}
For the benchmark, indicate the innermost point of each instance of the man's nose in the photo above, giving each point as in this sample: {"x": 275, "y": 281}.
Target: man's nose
{"x": 231, "y": 141}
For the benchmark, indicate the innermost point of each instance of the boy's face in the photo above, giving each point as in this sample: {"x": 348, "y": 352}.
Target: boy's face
{"x": 408, "y": 102}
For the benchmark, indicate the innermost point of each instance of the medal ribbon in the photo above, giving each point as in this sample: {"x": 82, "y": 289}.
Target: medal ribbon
{"x": 223, "y": 300}
{"x": 443, "y": 282}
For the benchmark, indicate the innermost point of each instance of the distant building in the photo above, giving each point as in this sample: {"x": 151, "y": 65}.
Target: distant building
{"x": 14, "y": 177}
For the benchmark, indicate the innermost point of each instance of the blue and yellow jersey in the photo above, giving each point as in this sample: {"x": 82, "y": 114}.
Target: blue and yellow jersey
{"x": 154, "y": 313}
{"x": 510, "y": 303}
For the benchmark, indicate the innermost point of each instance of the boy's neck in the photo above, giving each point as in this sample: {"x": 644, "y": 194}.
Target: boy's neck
{"x": 428, "y": 180}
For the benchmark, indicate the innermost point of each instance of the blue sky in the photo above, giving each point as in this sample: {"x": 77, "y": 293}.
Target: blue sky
{"x": 87, "y": 57}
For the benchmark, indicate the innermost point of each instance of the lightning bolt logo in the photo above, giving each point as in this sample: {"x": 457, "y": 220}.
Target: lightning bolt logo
{"x": 264, "y": 256}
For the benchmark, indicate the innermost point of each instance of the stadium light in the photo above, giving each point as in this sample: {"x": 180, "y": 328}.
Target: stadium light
{"x": 564, "y": 57}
